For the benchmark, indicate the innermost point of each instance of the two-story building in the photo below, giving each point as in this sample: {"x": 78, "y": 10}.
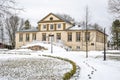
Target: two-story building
{"x": 64, "y": 31}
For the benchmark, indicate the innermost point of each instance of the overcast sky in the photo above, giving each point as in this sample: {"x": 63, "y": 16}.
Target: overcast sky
{"x": 35, "y": 10}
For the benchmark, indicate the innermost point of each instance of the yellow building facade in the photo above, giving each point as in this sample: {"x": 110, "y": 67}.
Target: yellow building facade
{"x": 72, "y": 36}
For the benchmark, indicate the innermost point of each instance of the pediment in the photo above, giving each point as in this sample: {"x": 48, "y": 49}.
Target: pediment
{"x": 51, "y": 17}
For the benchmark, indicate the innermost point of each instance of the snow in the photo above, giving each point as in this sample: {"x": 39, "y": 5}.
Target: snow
{"x": 56, "y": 48}
{"x": 92, "y": 68}
{"x": 78, "y": 27}
{"x": 33, "y": 69}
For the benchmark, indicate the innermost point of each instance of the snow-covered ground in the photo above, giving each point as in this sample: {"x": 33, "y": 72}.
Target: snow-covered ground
{"x": 92, "y": 68}
{"x": 40, "y": 68}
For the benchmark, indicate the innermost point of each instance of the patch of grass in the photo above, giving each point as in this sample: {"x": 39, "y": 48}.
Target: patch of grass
{"x": 110, "y": 57}
{"x": 114, "y": 58}
{"x": 113, "y": 53}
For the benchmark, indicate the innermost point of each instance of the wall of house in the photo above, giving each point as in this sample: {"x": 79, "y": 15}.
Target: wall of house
{"x": 82, "y": 42}
{"x": 55, "y": 25}
{"x": 92, "y": 44}
{"x": 100, "y": 40}
{"x": 24, "y": 42}
{"x": 49, "y": 33}
{"x": 64, "y": 26}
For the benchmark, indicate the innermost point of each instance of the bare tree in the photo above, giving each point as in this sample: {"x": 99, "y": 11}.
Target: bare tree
{"x": 6, "y": 6}
{"x": 1, "y": 31}
{"x": 66, "y": 17}
{"x": 22, "y": 23}
{"x": 97, "y": 27}
{"x": 12, "y": 24}
{"x": 2, "y": 35}
{"x": 114, "y": 6}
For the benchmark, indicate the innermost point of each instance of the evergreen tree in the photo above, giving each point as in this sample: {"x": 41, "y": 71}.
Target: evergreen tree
{"x": 27, "y": 24}
{"x": 116, "y": 34}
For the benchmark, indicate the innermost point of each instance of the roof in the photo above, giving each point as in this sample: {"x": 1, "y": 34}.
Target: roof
{"x": 33, "y": 29}
{"x": 78, "y": 27}
{"x": 64, "y": 19}
{"x": 58, "y": 16}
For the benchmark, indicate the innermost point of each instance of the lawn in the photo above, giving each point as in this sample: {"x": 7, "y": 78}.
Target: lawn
{"x": 33, "y": 69}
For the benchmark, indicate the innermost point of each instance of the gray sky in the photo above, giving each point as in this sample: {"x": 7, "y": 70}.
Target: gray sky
{"x": 35, "y": 10}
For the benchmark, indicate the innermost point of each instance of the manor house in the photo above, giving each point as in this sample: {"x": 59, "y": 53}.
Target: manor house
{"x": 62, "y": 30}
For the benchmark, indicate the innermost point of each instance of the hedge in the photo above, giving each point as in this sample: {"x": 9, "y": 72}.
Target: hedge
{"x": 69, "y": 74}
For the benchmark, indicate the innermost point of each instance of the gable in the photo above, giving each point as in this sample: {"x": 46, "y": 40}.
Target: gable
{"x": 51, "y": 17}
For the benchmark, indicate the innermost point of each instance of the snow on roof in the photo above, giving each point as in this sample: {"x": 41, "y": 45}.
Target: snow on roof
{"x": 78, "y": 27}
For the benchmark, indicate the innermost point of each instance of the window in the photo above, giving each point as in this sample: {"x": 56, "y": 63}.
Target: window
{"x": 51, "y": 18}
{"x": 92, "y": 44}
{"x": 51, "y": 26}
{"x": 70, "y": 47}
{"x": 44, "y": 26}
{"x": 99, "y": 37}
{"x": 69, "y": 36}
{"x": 58, "y": 36}
{"x": 87, "y": 36}
{"x": 78, "y": 47}
{"x": 43, "y": 36}
{"x": 20, "y": 37}
{"x": 27, "y": 37}
{"x": 78, "y": 36}
{"x": 59, "y": 25}
{"x": 34, "y": 36}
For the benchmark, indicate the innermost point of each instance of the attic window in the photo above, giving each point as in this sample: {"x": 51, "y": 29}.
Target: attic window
{"x": 51, "y": 18}
{"x": 92, "y": 44}
{"x": 78, "y": 25}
